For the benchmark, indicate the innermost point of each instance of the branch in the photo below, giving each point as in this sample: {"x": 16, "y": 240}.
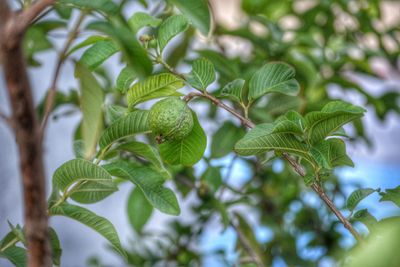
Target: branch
{"x": 60, "y": 61}
{"x": 26, "y": 129}
{"x": 7, "y": 120}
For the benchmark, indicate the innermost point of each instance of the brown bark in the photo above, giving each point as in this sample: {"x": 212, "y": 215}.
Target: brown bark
{"x": 26, "y": 127}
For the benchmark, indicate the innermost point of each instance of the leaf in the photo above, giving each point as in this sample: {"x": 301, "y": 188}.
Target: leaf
{"x": 391, "y": 195}
{"x": 187, "y": 151}
{"x": 202, "y": 74}
{"x": 16, "y": 255}
{"x": 321, "y": 124}
{"x": 142, "y": 19}
{"x": 95, "y": 55}
{"x": 91, "y": 100}
{"x": 365, "y": 217}
{"x": 357, "y": 196}
{"x": 139, "y": 209}
{"x": 171, "y": 27}
{"x": 106, "y": 6}
{"x": 309, "y": 179}
{"x": 133, "y": 53}
{"x": 155, "y": 86}
{"x": 197, "y": 11}
{"x": 83, "y": 181}
{"x": 147, "y": 152}
{"x": 56, "y": 250}
{"x": 225, "y": 138}
{"x": 275, "y": 77}
{"x": 88, "y": 41}
{"x": 125, "y": 78}
{"x": 115, "y": 112}
{"x": 151, "y": 184}
{"x": 92, "y": 220}
{"x": 131, "y": 124}
{"x": 212, "y": 176}
{"x": 331, "y": 153}
{"x": 264, "y": 137}
{"x": 234, "y": 90}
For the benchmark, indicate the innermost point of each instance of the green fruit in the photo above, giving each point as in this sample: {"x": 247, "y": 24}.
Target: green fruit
{"x": 171, "y": 119}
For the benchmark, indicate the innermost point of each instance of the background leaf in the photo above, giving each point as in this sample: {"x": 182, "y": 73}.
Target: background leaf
{"x": 99, "y": 52}
{"x": 139, "y": 209}
{"x": 225, "y": 139}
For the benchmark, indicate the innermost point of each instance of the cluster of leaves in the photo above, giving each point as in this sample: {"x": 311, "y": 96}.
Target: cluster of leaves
{"x": 292, "y": 112}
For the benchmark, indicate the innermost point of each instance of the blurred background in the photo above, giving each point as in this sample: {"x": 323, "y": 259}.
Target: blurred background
{"x": 360, "y": 41}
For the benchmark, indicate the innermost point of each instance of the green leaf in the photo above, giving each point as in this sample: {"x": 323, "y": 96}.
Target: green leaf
{"x": 171, "y": 27}
{"x": 234, "y": 90}
{"x": 133, "y": 53}
{"x": 309, "y": 179}
{"x": 151, "y": 184}
{"x": 106, "y": 6}
{"x": 125, "y": 78}
{"x": 139, "y": 209}
{"x": 275, "y": 77}
{"x": 391, "y": 195}
{"x": 365, "y": 217}
{"x": 197, "y": 11}
{"x": 83, "y": 181}
{"x": 331, "y": 153}
{"x": 91, "y": 100}
{"x": 131, "y": 124}
{"x": 155, "y": 86}
{"x": 16, "y": 255}
{"x": 187, "y": 151}
{"x": 225, "y": 138}
{"x": 212, "y": 177}
{"x": 56, "y": 250}
{"x": 88, "y": 41}
{"x": 92, "y": 220}
{"x": 115, "y": 112}
{"x": 265, "y": 137}
{"x": 321, "y": 124}
{"x": 147, "y": 152}
{"x": 357, "y": 196}
{"x": 202, "y": 74}
{"x": 95, "y": 55}
{"x": 142, "y": 19}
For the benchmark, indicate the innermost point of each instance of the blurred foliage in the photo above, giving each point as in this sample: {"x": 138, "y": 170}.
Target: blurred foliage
{"x": 327, "y": 42}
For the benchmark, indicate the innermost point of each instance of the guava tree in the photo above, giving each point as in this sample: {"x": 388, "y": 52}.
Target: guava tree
{"x": 147, "y": 126}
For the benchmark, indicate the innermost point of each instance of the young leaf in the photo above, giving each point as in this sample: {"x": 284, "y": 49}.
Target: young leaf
{"x": 151, "y": 184}
{"x": 141, "y": 19}
{"x": 225, "y": 139}
{"x": 187, "y": 151}
{"x": 202, "y": 74}
{"x": 357, "y": 196}
{"x": 95, "y": 55}
{"x": 125, "y": 78}
{"x": 91, "y": 104}
{"x": 234, "y": 90}
{"x": 56, "y": 250}
{"x": 321, "y": 124}
{"x": 139, "y": 209}
{"x": 391, "y": 195}
{"x": 171, "y": 27}
{"x": 197, "y": 11}
{"x": 155, "y": 86}
{"x": 92, "y": 220}
{"x": 84, "y": 181}
{"x": 264, "y": 137}
{"x": 275, "y": 77}
{"x": 331, "y": 153}
{"x": 131, "y": 124}
{"x": 16, "y": 255}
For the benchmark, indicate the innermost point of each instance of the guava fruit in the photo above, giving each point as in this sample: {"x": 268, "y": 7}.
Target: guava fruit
{"x": 171, "y": 119}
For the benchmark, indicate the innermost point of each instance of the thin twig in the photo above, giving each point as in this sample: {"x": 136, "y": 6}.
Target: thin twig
{"x": 60, "y": 61}
{"x": 247, "y": 246}
{"x": 7, "y": 120}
